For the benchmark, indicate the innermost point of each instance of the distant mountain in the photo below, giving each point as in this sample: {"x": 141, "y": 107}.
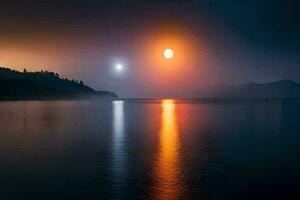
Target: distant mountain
{"x": 44, "y": 85}
{"x": 278, "y": 89}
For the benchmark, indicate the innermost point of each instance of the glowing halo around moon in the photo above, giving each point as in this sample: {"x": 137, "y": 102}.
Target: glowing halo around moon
{"x": 168, "y": 53}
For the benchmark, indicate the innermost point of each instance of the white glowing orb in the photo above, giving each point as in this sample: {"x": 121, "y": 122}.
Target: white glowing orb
{"x": 168, "y": 53}
{"x": 119, "y": 67}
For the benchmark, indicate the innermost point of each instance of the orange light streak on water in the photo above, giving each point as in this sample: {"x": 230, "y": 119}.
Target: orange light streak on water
{"x": 167, "y": 169}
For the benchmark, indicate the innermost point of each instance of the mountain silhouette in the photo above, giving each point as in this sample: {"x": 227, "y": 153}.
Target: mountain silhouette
{"x": 44, "y": 85}
{"x": 278, "y": 89}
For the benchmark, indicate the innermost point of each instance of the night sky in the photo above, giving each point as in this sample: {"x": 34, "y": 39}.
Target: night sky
{"x": 216, "y": 42}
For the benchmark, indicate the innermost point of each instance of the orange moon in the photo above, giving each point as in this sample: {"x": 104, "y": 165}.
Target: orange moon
{"x": 168, "y": 53}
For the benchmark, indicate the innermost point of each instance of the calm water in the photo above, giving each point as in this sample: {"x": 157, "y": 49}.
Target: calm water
{"x": 149, "y": 149}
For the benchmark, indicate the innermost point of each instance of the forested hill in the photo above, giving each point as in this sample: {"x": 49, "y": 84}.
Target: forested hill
{"x": 43, "y": 85}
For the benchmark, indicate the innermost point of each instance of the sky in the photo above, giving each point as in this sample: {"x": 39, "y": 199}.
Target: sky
{"x": 216, "y": 42}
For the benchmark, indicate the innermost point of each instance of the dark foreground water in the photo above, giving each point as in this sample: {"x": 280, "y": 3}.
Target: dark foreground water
{"x": 150, "y": 149}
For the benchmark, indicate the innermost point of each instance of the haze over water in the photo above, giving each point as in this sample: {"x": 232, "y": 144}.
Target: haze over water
{"x": 149, "y": 149}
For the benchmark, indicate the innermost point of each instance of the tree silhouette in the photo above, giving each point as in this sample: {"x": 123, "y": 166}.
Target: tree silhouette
{"x": 42, "y": 84}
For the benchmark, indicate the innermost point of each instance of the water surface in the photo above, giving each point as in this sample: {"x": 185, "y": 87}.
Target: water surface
{"x": 150, "y": 149}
